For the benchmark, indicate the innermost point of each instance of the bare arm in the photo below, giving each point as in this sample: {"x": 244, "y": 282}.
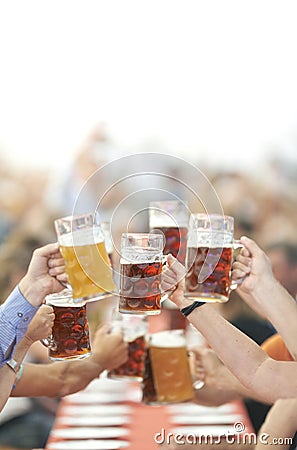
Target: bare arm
{"x": 264, "y": 293}
{"x": 221, "y": 385}
{"x": 246, "y": 360}
{"x": 39, "y": 328}
{"x": 280, "y": 425}
{"x": 66, "y": 377}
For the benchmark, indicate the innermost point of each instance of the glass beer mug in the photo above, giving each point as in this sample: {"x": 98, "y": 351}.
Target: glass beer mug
{"x": 134, "y": 328}
{"x": 70, "y": 332}
{"x": 167, "y": 376}
{"x": 209, "y": 257}
{"x": 87, "y": 264}
{"x": 171, "y": 217}
{"x": 140, "y": 273}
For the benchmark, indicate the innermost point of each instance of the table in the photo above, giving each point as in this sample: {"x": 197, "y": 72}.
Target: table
{"x": 109, "y": 410}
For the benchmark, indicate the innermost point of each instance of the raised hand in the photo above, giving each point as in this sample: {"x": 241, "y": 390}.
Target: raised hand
{"x": 109, "y": 349}
{"x": 45, "y": 274}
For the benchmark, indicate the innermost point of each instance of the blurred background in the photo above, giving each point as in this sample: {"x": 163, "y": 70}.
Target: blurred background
{"x": 211, "y": 84}
{"x": 84, "y": 83}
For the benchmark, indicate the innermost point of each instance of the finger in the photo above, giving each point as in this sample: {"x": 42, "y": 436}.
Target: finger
{"x": 242, "y": 267}
{"x": 62, "y": 278}
{"x": 167, "y": 286}
{"x": 104, "y": 329}
{"x": 251, "y": 246}
{"x": 244, "y": 260}
{"x": 46, "y": 308}
{"x": 176, "y": 266}
{"x": 48, "y": 250}
{"x": 169, "y": 279}
{"x": 238, "y": 275}
{"x": 56, "y": 262}
{"x": 56, "y": 255}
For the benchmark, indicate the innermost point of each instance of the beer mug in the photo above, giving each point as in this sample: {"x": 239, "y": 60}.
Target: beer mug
{"x": 70, "y": 332}
{"x": 171, "y": 218}
{"x": 105, "y": 226}
{"x": 87, "y": 264}
{"x": 140, "y": 273}
{"x": 134, "y": 328}
{"x": 209, "y": 258}
{"x": 167, "y": 375}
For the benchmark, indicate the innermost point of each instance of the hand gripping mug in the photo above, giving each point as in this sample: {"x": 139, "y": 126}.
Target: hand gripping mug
{"x": 87, "y": 264}
{"x": 209, "y": 258}
{"x": 140, "y": 273}
{"x": 134, "y": 328}
{"x": 167, "y": 376}
{"x": 70, "y": 332}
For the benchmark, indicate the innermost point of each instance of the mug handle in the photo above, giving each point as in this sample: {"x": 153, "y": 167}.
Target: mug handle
{"x": 236, "y": 244}
{"x": 166, "y": 294}
{"x": 197, "y": 384}
{"x": 50, "y": 343}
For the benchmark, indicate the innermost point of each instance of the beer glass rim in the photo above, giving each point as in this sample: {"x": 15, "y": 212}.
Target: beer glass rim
{"x": 63, "y": 298}
{"x": 139, "y": 235}
{"x": 72, "y": 217}
{"x": 214, "y": 215}
{"x": 170, "y": 202}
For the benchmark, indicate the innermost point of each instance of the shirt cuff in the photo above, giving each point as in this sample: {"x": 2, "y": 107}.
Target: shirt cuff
{"x": 16, "y": 314}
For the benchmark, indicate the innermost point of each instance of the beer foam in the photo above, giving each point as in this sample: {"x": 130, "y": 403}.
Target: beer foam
{"x": 165, "y": 221}
{"x": 61, "y": 304}
{"x": 82, "y": 237}
{"x": 168, "y": 339}
{"x": 140, "y": 255}
{"x": 63, "y": 299}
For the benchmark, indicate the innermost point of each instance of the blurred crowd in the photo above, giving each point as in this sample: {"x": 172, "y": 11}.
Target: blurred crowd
{"x": 262, "y": 201}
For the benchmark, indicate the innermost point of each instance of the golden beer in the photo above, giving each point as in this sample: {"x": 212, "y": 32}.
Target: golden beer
{"x": 167, "y": 377}
{"x": 88, "y": 269}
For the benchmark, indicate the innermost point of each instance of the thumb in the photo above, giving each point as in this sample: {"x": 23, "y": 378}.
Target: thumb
{"x": 176, "y": 266}
{"x": 104, "y": 329}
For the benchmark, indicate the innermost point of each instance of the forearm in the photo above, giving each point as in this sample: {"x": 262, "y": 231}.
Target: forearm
{"x": 281, "y": 311}
{"x": 8, "y": 376}
{"x": 209, "y": 396}
{"x": 57, "y": 379}
{"x": 279, "y": 426}
{"x": 238, "y": 352}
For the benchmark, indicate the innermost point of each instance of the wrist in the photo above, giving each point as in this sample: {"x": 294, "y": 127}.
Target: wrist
{"x": 32, "y": 292}
{"x": 187, "y": 310}
{"x": 98, "y": 366}
{"x": 267, "y": 293}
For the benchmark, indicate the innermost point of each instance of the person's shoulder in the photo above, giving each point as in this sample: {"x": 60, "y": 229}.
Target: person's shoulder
{"x": 276, "y": 348}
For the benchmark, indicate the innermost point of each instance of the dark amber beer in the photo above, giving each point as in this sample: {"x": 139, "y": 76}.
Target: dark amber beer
{"x": 209, "y": 258}
{"x": 70, "y": 332}
{"x": 171, "y": 217}
{"x": 216, "y": 286}
{"x": 140, "y": 288}
{"x": 140, "y": 274}
{"x": 175, "y": 242}
{"x": 133, "y": 368}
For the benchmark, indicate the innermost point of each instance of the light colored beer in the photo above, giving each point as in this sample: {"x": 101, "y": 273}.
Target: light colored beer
{"x": 87, "y": 265}
{"x": 168, "y": 378}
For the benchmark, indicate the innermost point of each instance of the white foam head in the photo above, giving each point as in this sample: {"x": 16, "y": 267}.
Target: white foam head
{"x": 140, "y": 255}
{"x": 82, "y": 237}
{"x": 62, "y": 299}
{"x": 168, "y": 339}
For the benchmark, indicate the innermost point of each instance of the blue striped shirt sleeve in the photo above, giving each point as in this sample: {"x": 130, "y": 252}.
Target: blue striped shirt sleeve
{"x": 16, "y": 314}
